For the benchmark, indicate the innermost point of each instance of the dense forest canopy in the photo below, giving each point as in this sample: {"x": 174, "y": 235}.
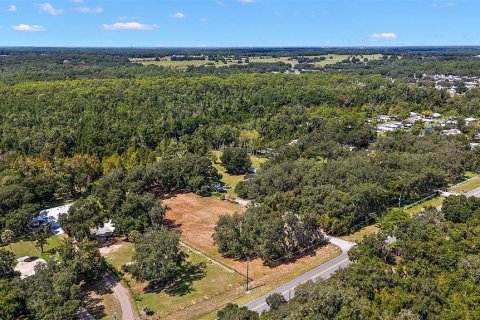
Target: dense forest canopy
{"x": 106, "y": 116}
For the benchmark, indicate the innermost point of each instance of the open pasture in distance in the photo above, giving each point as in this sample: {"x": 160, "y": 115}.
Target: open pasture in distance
{"x": 267, "y": 59}
{"x": 329, "y": 59}
{"x": 203, "y": 288}
{"x": 197, "y": 216}
{"x": 334, "y": 58}
{"x": 167, "y": 62}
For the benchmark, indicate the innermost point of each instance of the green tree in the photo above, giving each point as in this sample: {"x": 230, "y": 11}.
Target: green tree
{"x": 392, "y": 219}
{"x": 275, "y": 301}
{"x": 52, "y": 293}
{"x": 236, "y": 160}
{"x": 7, "y": 237}
{"x": 83, "y": 258}
{"x": 371, "y": 246}
{"x": 158, "y": 257}
{"x": 461, "y": 208}
{"x": 82, "y": 216}
{"x": 11, "y": 306}
{"x": 7, "y": 264}
{"x": 41, "y": 239}
{"x": 234, "y": 312}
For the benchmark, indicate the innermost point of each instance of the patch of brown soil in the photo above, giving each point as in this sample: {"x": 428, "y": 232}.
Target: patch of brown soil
{"x": 197, "y": 216}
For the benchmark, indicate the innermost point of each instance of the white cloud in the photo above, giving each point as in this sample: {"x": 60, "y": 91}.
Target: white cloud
{"x": 444, "y": 5}
{"x": 247, "y": 1}
{"x": 12, "y": 8}
{"x": 383, "y": 36}
{"x": 31, "y": 28}
{"x": 203, "y": 19}
{"x": 48, "y": 8}
{"x": 89, "y": 9}
{"x": 129, "y": 26}
{"x": 179, "y": 15}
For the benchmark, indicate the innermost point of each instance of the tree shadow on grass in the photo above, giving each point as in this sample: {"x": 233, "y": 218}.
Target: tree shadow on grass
{"x": 182, "y": 284}
{"x": 93, "y": 300}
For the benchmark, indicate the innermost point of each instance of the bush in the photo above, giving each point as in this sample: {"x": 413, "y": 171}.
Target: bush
{"x": 148, "y": 311}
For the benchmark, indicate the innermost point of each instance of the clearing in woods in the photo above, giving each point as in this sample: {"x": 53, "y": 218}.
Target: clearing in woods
{"x": 197, "y": 216}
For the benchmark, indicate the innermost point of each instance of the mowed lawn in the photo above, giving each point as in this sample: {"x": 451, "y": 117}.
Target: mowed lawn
{"x": 468, "y": 185}
{"x": 233, "y": 180}
{"x": 434, "y": 202}
{"x": 28, "y": 248}
{"x": 358, "y": 236}
{"x": 208, "y": 287}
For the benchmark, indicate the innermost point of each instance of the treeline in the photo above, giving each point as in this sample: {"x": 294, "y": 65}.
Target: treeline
{"x": 410, "y": 66}
{"x": 132, "y": 199}
{"x": 55, "y": 290}
{"x": 345, "y": 190}
{"x": 268, "y": 233}
{"x": 27, "y": 183}
{"x": 104, "y": 117}
{"x": 438, "y": 257}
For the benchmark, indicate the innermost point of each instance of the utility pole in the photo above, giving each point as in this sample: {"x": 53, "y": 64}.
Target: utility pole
{"x": 248, "y": 260}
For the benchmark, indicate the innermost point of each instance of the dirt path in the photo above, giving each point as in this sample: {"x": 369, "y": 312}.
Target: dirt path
{"x": 208, "y": 258}
{"x": 122, "y": 296}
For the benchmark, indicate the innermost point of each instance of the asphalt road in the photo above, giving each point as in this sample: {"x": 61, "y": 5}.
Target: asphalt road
{"x": 122, "y": 296}
{"x": 473, "y": 193}
{"x": 323, "y": 271}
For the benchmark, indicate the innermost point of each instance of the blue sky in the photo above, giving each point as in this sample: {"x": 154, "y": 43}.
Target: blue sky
{"x": 230, "y": 23}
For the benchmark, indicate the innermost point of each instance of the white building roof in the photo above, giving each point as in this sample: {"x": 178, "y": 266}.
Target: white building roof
{"x": 51, "y": 217}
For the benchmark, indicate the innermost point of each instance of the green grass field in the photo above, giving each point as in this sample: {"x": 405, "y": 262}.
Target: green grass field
{"x": 434, "y": 202}
{"x": 203, "y": 290}
{"x": 27, "y": 248}
{"x": 358, "y": 236}
{"x": 334, "y": 58}
{"x": 167, "y": 62}
{"x": 330, "y": 59}
{"x": 468, "y": 185}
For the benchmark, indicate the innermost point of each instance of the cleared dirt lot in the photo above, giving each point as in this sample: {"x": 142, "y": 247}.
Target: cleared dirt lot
{"x": 197, "y": 216}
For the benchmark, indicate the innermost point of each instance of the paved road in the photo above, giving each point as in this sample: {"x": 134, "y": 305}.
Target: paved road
{"x": 473, "y": 193}
{"x": 122, "y": 296}
{"x": 323, "y": 271}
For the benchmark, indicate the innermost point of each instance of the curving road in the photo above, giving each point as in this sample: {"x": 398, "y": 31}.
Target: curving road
{"x": 122, "y": 296}
{"x": 323, "y": 271}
